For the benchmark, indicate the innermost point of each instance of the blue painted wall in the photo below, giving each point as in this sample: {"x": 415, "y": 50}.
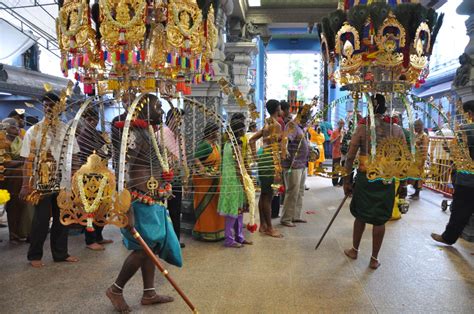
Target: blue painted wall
{"x": 260, "y": 83}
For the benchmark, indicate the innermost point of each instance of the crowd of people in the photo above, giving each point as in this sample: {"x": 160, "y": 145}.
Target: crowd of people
{"x": 280, "y": 154}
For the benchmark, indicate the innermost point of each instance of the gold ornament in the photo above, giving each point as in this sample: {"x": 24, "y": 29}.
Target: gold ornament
{"x": 393, "y": 161}
{"x": 183, "y": 29}
{"x": 126, "y": 26}
{"x": 93, "y": 199}
{"x": 152, "y": 185}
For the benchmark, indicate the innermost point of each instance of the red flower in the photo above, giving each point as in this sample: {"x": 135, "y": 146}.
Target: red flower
{"x": 389, "y": 119}
{"x": 119, "y": 124}
{"x": 281, "y": 189}
{"x": 167, "y": 175}
{"x": 137, "y": 123}
{"x": 252, "y": 228}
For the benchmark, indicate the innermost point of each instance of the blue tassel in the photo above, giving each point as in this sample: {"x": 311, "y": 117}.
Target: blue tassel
{"x": 122, "y": 58}
{"x": 169, "y": 58}
{"x": 106, "y": 55}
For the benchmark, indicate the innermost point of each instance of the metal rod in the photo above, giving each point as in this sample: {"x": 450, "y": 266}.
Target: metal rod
{"x": 332, "y": 220}
{"x": 165, "y": 272}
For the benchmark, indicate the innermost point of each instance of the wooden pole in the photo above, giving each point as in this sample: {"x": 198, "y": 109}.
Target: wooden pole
{"x": 332, "y": 220}
{"x": 165, "y": 272}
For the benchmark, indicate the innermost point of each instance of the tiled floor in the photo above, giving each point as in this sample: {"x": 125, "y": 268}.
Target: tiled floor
{"x": 273, "y": 276}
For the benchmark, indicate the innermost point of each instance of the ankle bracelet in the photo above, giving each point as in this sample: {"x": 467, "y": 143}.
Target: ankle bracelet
{"x": 117, "y": 286}
{"x": 357, "y": 250}
{"x": 374, "y": 258}
{"x": 149, "y": 289}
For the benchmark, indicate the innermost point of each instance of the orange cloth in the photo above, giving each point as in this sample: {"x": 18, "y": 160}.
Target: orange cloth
{"x": 209, "y": 224}
{"x": 336, "y": 145}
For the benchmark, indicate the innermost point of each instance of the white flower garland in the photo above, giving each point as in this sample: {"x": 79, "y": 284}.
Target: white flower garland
{"x": 196, "y": 23}
{"x": 163, "y": 161}
{"x": 132, "y": 22}
{"x": 87, "y": 207}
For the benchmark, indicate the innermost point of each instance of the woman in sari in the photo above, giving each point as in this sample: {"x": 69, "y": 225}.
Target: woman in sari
{"x": 209, "y": 224}
{"x": 269, "y": 169}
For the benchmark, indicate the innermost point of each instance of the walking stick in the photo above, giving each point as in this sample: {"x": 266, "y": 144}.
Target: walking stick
{"x": 165, "y": 272}
{"x": 332, "y": 220}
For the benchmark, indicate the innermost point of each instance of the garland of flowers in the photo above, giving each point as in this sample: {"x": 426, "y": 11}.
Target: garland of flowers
{"x": 73, "y": 29}
{"x": 132, "y": 22}
{"x": 163, "y": 162}
{"x": 165, "y": 151}
{"x": 373, "y": 134}
{"x": 90, "y": 208}
{"x": 193, "y": 28}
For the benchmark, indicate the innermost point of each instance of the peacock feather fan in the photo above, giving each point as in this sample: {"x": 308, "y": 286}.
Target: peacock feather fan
{"x": 327, "y": 31}
{"x": 435, "y": 30}
{"x": 95, "y": 15}
{"x": 319, "y": 28}
{"x": 431, "y": 18}
{"x": 418, "y": 15}
{"x": 205, "y": 7}
{"x": 336, "y": 20}
{"x": 378, "y": 13}
{"x": 404, "y": 13}
{"x": 357, "y": 16}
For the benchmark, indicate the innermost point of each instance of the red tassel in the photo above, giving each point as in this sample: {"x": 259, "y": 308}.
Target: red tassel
{"x": 252, "y": 228}
{"x": 281, "y": 189}
{"x": 119, "y": 124}
{"x": 142, "y": 55}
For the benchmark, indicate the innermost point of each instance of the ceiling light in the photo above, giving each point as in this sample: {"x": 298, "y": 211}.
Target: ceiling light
{"x": 254, "y": 3}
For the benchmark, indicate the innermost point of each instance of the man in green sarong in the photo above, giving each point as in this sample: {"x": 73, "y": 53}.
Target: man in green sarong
{"x": 372, "y": 202}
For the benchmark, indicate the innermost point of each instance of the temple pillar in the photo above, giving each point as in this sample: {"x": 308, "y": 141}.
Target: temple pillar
{"x": 464, "y": 81}
{"x": 239, "y": 58}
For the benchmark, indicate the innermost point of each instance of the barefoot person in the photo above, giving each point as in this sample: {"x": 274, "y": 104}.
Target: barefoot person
{"x": 232, "y": 200}
{"x": 50, "y": 135}
{"x": 372, "y": 202}
{"x": 294, "y": 155}
{"x": 269, "y": 166}
{"x": 462, "y": 207}
{"x": 147, "y": 215}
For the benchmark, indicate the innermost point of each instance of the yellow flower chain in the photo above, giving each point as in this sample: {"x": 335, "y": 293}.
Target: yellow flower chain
{"x": 163, "y": 162}
{"x": 87, "y": 207}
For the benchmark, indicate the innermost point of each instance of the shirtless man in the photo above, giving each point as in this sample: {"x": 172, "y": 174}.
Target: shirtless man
{"x": 269, "y": 165}
{"x": 151, "y": 219}
{"x": 372, "y": 202}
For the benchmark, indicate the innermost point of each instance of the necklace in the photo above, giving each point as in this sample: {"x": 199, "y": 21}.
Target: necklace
{"x": 91, "y": 208}
{"x": 163, "y": 161}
